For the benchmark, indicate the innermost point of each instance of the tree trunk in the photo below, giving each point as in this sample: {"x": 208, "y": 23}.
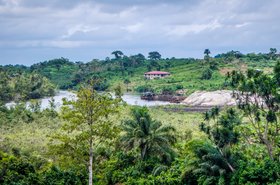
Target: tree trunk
{"x": 230, "y": 167}
{"x": 90, "y": 162}
{"x": 269, "y": 148}
{"x": 228, "y": 164}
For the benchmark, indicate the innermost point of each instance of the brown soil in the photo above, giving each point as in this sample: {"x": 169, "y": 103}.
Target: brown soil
{"x": 241, "y": 67}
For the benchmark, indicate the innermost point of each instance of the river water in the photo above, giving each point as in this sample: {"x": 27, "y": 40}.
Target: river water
{"x": 131, "y": 99}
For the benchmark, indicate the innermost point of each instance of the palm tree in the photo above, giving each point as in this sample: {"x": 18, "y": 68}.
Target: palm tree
{"x": 212, "y": 166}
{"x": 150, "y": 137}
{"x": 207, "y": 52}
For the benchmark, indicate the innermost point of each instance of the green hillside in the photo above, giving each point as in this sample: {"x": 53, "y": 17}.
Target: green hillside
{"x": 188, "y": 74}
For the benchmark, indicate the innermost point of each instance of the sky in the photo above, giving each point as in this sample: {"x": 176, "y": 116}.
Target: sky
{"x": 33, "y": 31}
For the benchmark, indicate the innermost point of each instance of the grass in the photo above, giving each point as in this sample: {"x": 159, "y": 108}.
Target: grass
{"x": 188, "y": 74}
{"x": 34, "y": 137}
{"x": 30, "y": 137}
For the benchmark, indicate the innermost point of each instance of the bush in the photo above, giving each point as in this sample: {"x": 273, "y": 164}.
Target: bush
{"x": 207, "y": 74}
{"x": 213, "y": 65}
{"x": 179, "y": 86}
{"x": 144, "y": 88}
{"x": 257, "y": 172}
{"x": 168, "y": 90}
{"x": 20, "y": 169}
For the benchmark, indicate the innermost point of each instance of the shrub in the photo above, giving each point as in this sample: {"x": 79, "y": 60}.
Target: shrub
{"x": 144, "y": 88}
{"x": 207, "y": 74}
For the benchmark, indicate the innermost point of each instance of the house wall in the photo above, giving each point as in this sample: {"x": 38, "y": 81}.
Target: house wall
{"x": 155, "y": 76}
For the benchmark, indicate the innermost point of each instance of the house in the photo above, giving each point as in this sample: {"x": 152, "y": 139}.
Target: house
{"x": 156, "y": 74}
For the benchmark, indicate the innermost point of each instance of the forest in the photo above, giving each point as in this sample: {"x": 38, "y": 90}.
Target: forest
{"x": 100, "y": 139}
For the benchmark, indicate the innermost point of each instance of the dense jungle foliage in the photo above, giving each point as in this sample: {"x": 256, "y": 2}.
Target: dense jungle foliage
{"x": 20, "y": 86}
{"x": 100, "y": 139}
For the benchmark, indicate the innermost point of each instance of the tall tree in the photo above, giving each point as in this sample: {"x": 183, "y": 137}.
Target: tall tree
{"x": 272, "y": 53}
{"x": 118, "y": 54}
{"x": 207, "y": 52}
{"x": 154, "y": 55}
{"x": 87, "y": 119}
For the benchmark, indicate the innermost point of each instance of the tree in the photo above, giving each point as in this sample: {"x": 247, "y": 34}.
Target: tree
{"x": 207, "y": 74}
{"x": 167, "y": 65}
{"x": 207, "y": 57}
{"x": 118, "y": 54}
{"x": 207, "y": 52}
{"x": 272, "y": 53}
{"x": 137, "y": 60}
{"x": 156, "y": 64}
{"x": 154, "y": 55}
{"x": 222, "y": 132}
{"x": 257, "y": 96}
{"x": 149, "y": 67}
{"x": 140, "y": 57}
{"x": 87, "y": 119}
{"x": 150, "y": 137}
{"x": 214, "y": 162}
{"x": 126, "y": 81}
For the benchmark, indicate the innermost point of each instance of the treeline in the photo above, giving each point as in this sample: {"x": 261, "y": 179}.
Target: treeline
{"x": 70, "y": 75}
{"x": 120, "y": 68}
{"x": 17, "y": 85}
{"x": 231, "y": 55}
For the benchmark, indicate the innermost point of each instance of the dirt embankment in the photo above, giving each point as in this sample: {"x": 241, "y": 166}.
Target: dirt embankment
{"x": 210, "y": 99}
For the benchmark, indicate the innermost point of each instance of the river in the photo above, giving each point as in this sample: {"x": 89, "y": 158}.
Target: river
{"x": 131, "y": 99}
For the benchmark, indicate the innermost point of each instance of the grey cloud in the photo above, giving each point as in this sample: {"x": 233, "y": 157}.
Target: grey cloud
{"x": 82, "y": 30}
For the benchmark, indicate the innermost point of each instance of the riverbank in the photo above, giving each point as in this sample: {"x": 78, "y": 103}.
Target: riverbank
{"x": 130, "y": 99}
{"x": 196, "y": 102}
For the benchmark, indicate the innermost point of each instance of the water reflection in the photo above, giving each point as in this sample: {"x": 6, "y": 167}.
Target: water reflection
{"x": 131, "y": 99}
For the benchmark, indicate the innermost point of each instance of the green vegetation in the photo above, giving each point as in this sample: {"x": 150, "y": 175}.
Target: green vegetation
{"x": 24, "y": 86}
{"x": 148, "y": 136}
{"x": 98, "y": 139}
{"x": 87, "y": 122}
{"x": 58, "y": 71}
{"x": 191, "y": 74}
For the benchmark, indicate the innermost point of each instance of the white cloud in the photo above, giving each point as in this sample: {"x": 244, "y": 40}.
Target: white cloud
{"x": 134, "y": 28}
{"x": 137, "y": 26}
{"x": 79, "y": 28}
{"x": 45, "y": 43}
{"x": 182, "y": 30}
{"x": 242, "y": 25}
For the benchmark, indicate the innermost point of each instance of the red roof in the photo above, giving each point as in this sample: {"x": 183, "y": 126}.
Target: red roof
{"x": 157, "y": 73}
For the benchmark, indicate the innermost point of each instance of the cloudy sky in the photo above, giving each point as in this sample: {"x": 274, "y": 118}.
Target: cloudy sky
{"x": 81, "y": 30}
